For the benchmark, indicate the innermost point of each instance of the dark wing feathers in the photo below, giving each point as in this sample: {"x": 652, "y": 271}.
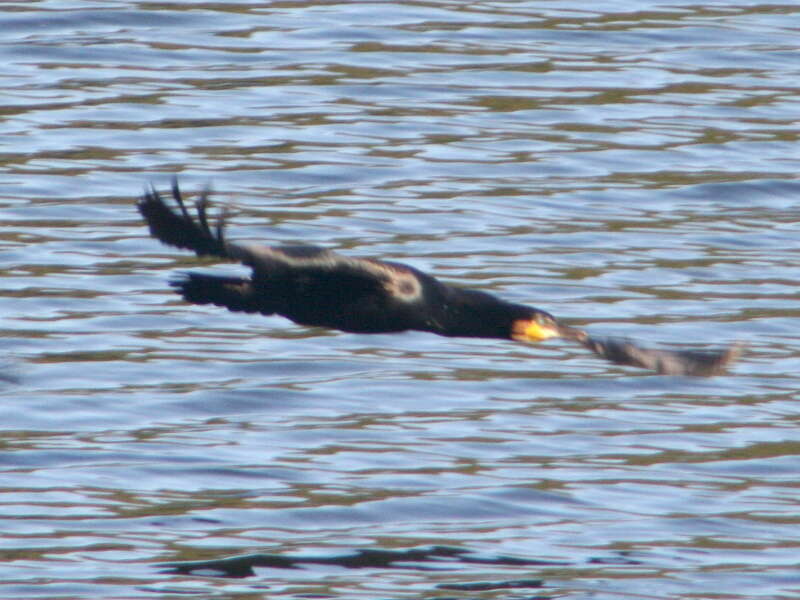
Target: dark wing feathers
{"x": 234, "y": 293}
{"x": 181, "y": 230}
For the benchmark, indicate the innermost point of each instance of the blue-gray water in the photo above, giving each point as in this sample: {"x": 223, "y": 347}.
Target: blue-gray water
{"x": 629, "y": 166}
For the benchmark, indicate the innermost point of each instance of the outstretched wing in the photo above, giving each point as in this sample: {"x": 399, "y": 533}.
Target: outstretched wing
{"x": 180, "y": 229}
{"x": 234, "y": 293}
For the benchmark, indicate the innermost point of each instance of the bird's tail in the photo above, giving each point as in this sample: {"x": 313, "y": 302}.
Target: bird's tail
{"x": 234, "y": 293}
{"x": 181, "y": 229}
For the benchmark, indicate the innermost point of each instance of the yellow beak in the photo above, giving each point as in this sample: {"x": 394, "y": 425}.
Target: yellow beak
{"x": 529, "y": 330}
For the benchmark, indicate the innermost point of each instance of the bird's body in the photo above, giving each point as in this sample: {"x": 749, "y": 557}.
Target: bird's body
{"x": 332, "y": 297}
{"x": 319, "y": 287}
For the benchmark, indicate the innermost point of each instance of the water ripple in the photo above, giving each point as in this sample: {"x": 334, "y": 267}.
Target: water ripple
{"x": 630, "y": 168}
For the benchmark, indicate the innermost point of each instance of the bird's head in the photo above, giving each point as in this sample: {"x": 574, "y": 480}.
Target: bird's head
{"x": 539, "y": 326}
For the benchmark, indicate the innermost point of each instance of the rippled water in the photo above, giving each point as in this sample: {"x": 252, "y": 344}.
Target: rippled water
{"x": 628, "y": 166}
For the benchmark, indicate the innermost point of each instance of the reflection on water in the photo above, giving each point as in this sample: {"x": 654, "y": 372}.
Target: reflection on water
{"x": 631, "y": 170}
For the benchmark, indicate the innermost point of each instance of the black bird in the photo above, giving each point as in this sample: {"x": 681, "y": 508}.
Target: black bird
{"x": 315, "y": 286}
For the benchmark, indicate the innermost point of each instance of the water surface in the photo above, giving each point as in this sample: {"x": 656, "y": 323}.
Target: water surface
{"x": 630, "y": 167}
